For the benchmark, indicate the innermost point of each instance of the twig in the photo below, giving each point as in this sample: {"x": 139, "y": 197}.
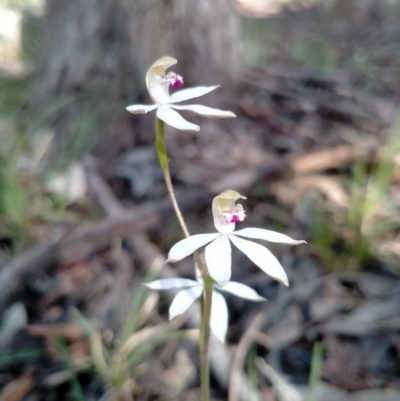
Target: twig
{"x": 241, "y": 353}
{"x": 25, "y": 267}
{"x": 82, "y": 241}
{"x": 286, "y": 392}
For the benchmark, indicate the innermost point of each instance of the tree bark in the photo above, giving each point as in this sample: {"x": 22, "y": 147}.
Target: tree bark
{"x": 98, "y": 51}
{"x": 202, "y": 35}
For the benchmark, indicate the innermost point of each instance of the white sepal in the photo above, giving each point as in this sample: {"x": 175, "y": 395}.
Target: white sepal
{"x": 187, "y": 246}
{"x": 168, "y": 283}
{"x": 205, "y": 111}
{"x": 262, "y": 257}
{"x": 241, "y": 291}
{"x": 141, "y": 108}
{"x": 219, "y": 260}
{"x": 174, "y": 119}
{"x": 191, "y": 93}
{"x": 268, "y": 235}
{"x": 183, "y": 300}
{"x": 219, "y": 316}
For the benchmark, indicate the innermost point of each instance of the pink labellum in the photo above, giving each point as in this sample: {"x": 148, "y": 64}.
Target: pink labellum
{"x": 234, "y": 216}
{"x": 177, "y": 82}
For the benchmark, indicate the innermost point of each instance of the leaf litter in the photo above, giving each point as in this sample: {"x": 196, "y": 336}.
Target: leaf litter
{"x": 310, "y": 150}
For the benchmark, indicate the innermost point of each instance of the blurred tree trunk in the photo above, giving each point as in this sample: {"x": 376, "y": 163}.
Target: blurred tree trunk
{"x": 102, "y": 49}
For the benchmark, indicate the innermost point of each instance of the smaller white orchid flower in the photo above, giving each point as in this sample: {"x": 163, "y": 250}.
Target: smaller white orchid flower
{"x": 158, "y": 83}
{"x": 218, "y": 252}
{"x": 192, "y": 290}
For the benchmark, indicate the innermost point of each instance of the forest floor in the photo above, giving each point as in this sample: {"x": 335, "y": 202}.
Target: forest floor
{"x": 315, "y": 148}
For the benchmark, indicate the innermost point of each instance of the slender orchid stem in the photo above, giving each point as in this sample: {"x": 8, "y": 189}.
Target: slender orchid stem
{"x": 163, "y": 158}
{"x": 206, "y": 300}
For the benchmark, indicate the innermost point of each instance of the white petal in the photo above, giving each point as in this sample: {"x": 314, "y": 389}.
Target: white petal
{"x": 241, "y": 291}
{"x": 219, "y": 260}
{"x": 169, "y": 283}
{"x": 188, "y": 245}
{"x": 220, "y": 222}
{"x": 205, "y": 111}
{"x": 219, "y": 316}
{"x": 262, "y": 257}
{"x": 141, "y": 108}
{"x": 156, "y": 84}
{"x": 191, "y": 93}
{"x": 267, "y": 235}
{"x": 174, "y": 119}
{"x": 183, "y": 300}
{"x": 163, "y": 62}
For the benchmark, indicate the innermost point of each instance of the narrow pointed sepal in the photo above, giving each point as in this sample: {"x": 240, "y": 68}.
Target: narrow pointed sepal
{"x": 187, "y": 246}
{"x": 205, "y": 111}
{"x": 183, "y": 300}
{"x": 268, "y": 235}
{"x": 141, "y": 108}
{"x": 219, "y": 316}
{"x": 174, "y": 119}
{"x": 169, "y": 283}
{"x": 262, "y": 257}
{"x": 242, "y": 291}
{"x": 219, "y": 260}
{"x": 191, "y": 93}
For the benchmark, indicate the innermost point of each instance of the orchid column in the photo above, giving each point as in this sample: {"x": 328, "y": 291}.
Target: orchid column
{"x": 158, "y": 82}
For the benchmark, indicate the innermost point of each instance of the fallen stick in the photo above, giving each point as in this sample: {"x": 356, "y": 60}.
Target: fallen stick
{"x": 88, "y": 238}
{"x": 79, "y": 243}
{"x": 25, "y": 267}
{"x": 241, "y": 354}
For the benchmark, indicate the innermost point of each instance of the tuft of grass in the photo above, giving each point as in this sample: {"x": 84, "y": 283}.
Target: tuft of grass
{"x": 13, "y": 205}
{"x": 315, "y": 372}
{"x": 117, "y": 364}
{"x": 14, "y": 357}
{"x": 252, "y": 373}
{"x": 346, "y": 240}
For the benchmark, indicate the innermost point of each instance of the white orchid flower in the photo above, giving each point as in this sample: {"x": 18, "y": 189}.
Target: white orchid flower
{"x": 192, "y": 290}
{"x": 218, "y": 252}
{"x": 158, "y": 83}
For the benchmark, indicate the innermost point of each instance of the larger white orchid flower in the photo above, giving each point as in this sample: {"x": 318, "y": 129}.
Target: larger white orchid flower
{"x": 158, "y": 83}
{"x": 192, "y": 290}
{"x": 218, "y": 252}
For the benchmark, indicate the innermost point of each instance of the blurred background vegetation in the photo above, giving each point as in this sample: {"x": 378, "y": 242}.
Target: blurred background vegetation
{"x": 315, "y": 148}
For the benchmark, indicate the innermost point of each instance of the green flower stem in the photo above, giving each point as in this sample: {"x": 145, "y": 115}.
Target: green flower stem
{"x": 160, "y": 144}
{"x": 163, "y": 158}
{"x": 206, "y": 300}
